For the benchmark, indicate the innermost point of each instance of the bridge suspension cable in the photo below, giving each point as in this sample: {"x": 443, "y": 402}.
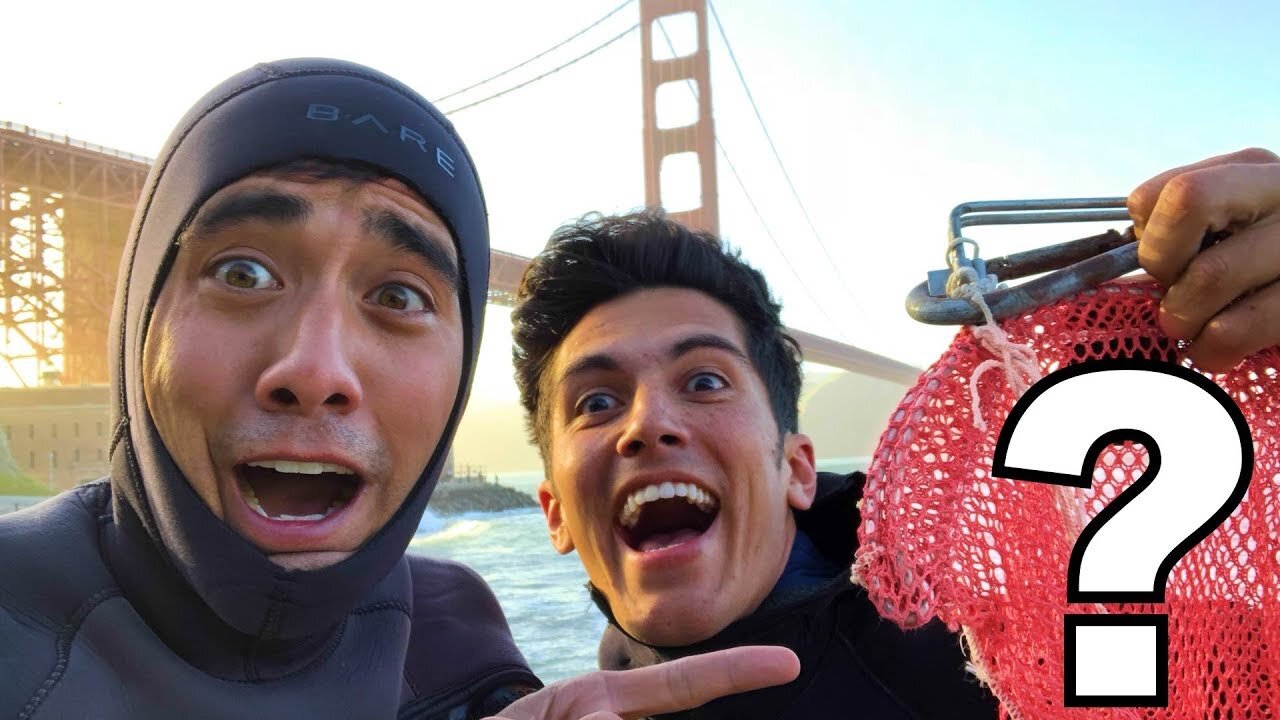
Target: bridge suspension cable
{"x": 549, "y": 50}
{"x": 778, "y": 157}
{"x": 552, "y": 71}
{"x": 804, "y": 286}
{"x": 733, "y": 170}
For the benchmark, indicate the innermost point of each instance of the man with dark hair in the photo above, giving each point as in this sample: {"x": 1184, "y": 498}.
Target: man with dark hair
{"x": 662, "y": 393}
{"x": 295, "y": 330}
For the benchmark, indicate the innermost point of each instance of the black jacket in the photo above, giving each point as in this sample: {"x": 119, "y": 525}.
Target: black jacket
{"x": 129, "y": 598}
{"x": 852, "y": 663}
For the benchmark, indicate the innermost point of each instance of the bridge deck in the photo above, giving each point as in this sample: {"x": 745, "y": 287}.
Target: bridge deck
{"x": 80, "y": 173}
{"x": 505, "y": 270}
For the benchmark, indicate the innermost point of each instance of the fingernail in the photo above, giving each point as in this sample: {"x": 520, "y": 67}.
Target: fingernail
{"x": 1174, "y": 324}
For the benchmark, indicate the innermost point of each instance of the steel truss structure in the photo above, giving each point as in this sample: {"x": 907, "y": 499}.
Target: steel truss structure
{"x": 65, "y": 209}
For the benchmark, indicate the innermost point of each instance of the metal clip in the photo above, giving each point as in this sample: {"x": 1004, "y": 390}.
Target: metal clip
{"x": 956, "y": 259}
{"x": 1079, "y": 264}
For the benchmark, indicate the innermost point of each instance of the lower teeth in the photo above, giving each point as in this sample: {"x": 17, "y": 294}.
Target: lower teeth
{"x": 252, "y": 501}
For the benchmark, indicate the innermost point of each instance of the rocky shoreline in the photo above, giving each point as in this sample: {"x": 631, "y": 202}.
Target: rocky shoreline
{"x": 454, "y": 497}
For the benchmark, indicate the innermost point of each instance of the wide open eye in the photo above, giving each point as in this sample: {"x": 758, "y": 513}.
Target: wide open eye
{"x": 400, "y": 297}
{"x": 705, "y": 382}
{"x": 596, "y": 403}
{"x": 245, "y": 274}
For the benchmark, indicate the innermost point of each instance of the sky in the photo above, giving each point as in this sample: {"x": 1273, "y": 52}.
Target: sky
{"x": 886, "y": 115}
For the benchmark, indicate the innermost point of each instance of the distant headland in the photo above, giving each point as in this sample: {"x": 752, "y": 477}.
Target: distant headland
{"x": 474, "y": 491}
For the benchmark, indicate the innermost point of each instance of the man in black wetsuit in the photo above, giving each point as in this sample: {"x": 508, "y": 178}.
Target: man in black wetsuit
{"x": 296, "y": 326}
{"x": 662, "y": 393}
{"x": 298, "y": 314}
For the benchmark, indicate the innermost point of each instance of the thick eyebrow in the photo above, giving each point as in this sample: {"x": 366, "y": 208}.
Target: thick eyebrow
{"x": 683, "y": 347}
{"x": 404, "y": 235}
{"x": 706, "y": 340}
{"x": 263, "y": 205}
{"x": 588, "y": 363}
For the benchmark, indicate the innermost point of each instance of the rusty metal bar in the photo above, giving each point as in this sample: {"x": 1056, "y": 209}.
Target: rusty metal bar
{"x": 1072, "y": 266}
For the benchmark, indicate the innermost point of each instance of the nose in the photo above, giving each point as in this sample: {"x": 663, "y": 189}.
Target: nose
{"x": 311, "y": 370}
{"x": 653, "y": 422}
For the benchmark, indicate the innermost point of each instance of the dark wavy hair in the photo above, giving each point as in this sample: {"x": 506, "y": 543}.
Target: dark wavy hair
{"x": 600, "y": 258}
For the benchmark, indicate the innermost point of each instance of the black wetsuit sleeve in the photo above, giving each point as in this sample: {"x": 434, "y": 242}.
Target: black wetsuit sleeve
{"x": 495, "y": 702}
{"x": 462, "y": 662}
{"x": 485, "y": 700}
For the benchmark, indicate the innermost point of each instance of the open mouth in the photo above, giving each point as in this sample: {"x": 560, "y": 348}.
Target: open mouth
{"x": 664, "y": 514}
{"x": 296, "y": 491}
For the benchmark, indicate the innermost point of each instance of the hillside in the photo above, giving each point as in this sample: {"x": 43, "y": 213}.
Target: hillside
{"x": 462, "y": 496}
{"x": 846, "y": 414}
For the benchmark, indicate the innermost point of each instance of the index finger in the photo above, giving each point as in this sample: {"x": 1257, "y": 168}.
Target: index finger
{"x": 1143, "y": 198}
{"x": 1196, "y": 202}
{"x": 692, "y": 681}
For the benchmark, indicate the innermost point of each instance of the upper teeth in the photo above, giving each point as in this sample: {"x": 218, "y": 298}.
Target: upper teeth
{"x": 301, "y": 468}
{"x": 692, "y": 494}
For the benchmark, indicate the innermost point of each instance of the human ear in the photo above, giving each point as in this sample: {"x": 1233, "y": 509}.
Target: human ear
{"x": 802, "y": 475}
{"x": 555, "y": 521}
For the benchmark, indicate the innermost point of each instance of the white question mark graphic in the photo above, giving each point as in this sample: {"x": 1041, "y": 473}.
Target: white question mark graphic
{"x": 1202, "y": 452}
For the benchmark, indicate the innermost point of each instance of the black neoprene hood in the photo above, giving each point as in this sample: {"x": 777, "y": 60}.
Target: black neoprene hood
{"x": 265, "y": 116}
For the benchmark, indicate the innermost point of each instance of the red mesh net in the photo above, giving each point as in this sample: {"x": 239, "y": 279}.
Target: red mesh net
{"x": 942, "y": 538}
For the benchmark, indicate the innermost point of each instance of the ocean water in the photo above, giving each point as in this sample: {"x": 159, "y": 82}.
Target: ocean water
{"x": 542, "y": 592}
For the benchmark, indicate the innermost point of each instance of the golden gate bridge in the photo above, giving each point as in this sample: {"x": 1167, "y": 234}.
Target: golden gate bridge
{"x": 66, "y": 206}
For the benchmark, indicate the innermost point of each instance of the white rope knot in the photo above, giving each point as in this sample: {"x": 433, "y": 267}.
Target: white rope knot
{"x": 1021, "y": 368}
